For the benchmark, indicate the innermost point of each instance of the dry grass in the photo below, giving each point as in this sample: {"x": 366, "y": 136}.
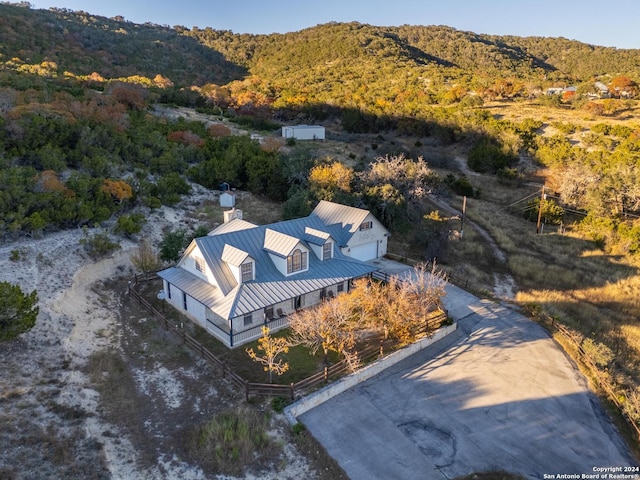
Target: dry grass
{"x": 516, "y": 111}
{"x": 231, "y": 440}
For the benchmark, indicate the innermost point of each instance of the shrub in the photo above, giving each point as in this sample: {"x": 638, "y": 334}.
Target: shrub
{"x": 487, "y": 157}
{"x": 298, "y": 428}
{"x": 278, "y": 404}
{"x": 99, "y": 245}
{"x": 460, "y": 186}
{"x": 172, "y": 245}
{"x": 18, "y": 311}
{"x": 597, "y": 352}
{"x": 231, "y": 440}
{"x": 130, "y": 224}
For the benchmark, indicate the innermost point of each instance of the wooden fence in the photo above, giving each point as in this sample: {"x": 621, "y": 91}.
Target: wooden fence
{"x": 186, "y": 338}
{"x": 252, "y": 388}
{"x": 603, "y": 382}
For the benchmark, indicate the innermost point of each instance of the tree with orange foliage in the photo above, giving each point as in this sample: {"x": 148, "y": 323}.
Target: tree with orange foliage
{"x": 118, "y": 189}
{"x": 622, "y": 85}
{"x": 51, "y": 182}
{"x": 162, "y": 82}
{"x": 186, "y": 138}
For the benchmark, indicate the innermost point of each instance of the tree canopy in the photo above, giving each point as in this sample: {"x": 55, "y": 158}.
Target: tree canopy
{"x": 18, "y": 310}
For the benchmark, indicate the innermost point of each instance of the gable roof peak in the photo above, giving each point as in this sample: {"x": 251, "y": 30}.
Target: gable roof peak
{"x": 279, "y": 243}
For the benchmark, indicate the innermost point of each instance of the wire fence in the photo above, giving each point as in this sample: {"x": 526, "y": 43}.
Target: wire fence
{"x": 618, "y": 398}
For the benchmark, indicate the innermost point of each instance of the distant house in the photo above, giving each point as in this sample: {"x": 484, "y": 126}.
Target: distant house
{"x": 304, "y": 132}
{"x": 243, "y": 276}
{"x": 602, "y": 89}
{"x": 554, "y": 91}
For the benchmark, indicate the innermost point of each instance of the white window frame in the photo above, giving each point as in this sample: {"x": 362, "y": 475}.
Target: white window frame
{"x": 327, "y": 251}
{"x": 297, "y": 261}
{"x": 246, "y": 272}
{"x": 200, "y": 266}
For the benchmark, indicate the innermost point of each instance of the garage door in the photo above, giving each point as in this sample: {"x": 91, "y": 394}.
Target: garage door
{"x": 365, "y": 252}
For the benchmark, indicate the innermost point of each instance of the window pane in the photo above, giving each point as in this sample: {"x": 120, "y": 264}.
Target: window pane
{"x": 247, "y": 272}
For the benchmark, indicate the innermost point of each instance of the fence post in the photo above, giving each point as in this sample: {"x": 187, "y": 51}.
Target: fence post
{"x": 326, "y": 373}
{"x": 293, "y": 395}
{"x": 246, "y": 390}
{"x": 381, "y": 347}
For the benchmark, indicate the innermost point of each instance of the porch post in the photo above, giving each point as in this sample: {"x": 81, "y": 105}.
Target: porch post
{"x": 231, "y": 332}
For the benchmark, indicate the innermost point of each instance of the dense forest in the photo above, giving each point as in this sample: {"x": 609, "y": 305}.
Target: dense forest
{"x": 84, "y": 140}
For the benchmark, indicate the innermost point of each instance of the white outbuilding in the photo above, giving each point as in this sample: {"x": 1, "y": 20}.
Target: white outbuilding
{"x": 304, "y": 132}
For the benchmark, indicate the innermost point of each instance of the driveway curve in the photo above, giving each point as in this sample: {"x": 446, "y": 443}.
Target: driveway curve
{"x": 498, "y": 394}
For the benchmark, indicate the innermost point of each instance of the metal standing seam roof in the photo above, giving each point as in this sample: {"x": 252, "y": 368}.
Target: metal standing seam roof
{"x": 202, "y": 291}
{"x": 317, "y": 237}
{"x": 233, "y": 225}
{"x": 331, "y": 213}
{"x": 279, "y": 243}
{"x": 233, "y": 255}
{"x": 270, "y": 285}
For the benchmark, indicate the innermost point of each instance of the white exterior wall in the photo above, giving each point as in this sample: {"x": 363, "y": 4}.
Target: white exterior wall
{"x": 257, "y": 318}
{"x": 227, "y": 199}
{"x": 317, "y": 250}
{"x": 189, "y": 264}
{"x": 195, "y": 310}
{"x": 281, "y": 263}
{"x": 304, "y": 132}
{"x": 377, "y": 232}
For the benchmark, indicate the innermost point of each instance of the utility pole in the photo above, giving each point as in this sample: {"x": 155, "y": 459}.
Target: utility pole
{"x": 464, "y": 210}
{"x": 542, "y": 197}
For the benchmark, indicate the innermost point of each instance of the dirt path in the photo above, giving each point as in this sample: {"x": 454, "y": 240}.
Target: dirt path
{"x": 505, "y": 286}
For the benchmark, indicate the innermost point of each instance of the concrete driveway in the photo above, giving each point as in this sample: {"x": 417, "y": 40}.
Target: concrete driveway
{"x": 498, "y": 394}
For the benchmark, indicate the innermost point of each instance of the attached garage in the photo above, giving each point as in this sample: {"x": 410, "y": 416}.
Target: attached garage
{"x": 365, "y": 252}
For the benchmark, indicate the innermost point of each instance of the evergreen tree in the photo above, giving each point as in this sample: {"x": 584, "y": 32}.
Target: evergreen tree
{"x": 18, "y": 311}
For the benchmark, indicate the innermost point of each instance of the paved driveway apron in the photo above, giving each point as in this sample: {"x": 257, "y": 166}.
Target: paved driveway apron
{"x": 498, "y": 394}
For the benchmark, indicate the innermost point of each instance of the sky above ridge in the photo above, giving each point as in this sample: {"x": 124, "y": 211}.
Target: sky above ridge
{"x": 589, "y": 21}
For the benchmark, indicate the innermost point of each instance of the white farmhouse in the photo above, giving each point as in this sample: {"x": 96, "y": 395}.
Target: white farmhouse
{"x": 243, "y": 276}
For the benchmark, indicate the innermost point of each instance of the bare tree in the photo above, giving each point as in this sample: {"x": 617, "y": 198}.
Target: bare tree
{"x": 327, "y": 326}
{"x": 145, "y": 258}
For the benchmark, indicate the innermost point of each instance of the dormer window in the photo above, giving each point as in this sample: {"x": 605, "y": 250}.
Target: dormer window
{"x": 366, "y": 226}
{"x": 327, "y": 251}
{"x": 247, "y": 272}
{"x": 199, "y": 264}
{"x": 297, "y": 261}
